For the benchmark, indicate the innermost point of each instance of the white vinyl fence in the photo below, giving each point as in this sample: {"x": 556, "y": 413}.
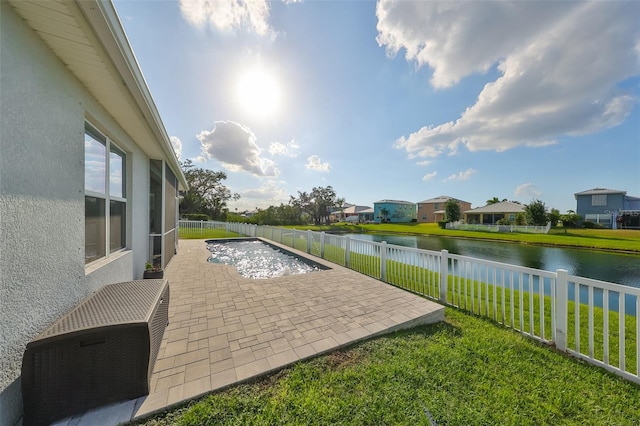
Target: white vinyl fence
{"x": 590, "y": 319}
{"x": 525, "y": 229}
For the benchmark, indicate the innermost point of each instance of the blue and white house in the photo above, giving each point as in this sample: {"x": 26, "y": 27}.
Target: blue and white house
{"x": 89, "y": 180}
{"x": 394, "y": 211}
{"x": 610, "y": 208}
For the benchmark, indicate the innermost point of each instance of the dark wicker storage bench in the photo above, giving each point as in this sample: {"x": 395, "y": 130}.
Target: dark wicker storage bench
{"x": 103, "y": 351}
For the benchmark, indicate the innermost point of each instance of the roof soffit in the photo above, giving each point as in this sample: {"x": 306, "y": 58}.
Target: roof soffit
{"x": 88, "y": 38}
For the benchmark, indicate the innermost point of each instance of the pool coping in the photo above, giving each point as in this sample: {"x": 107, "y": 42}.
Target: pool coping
{"x": 225, "y": 329}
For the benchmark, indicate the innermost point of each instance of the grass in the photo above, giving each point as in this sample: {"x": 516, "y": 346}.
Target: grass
{"x": 599, "y": 239}
{"x": 465, "y": 371}
{"x": 197, "y": 234}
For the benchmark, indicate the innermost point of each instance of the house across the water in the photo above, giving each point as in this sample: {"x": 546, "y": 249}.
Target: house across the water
{"x": 432, "y": 210}
{"x": 492, "y": 213}
{"x": 610, "y": 208}
{"x": 394, "y": 211}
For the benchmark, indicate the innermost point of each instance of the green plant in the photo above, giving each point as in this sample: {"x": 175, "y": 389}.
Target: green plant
{"x": 196, "y": 216}
{"x": 464, "y": 371}
{"x": 151, "y": 267}
{"x": 452, "y": 210}
{"x": 591, "y": 225}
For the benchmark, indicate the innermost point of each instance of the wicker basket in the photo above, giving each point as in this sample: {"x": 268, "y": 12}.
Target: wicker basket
{"x": 102, "y": 351}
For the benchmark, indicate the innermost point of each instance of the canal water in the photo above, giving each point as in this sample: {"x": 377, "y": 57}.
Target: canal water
{"x": 612, "y": 267}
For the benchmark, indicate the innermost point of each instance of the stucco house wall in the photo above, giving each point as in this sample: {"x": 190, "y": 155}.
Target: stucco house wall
{"x": 398, "y": 211}
{"x": 584, "y": 201}
{"x": 492, "y": 213}
{"x": 43, "y": 110}
{"x": 427, "y": 209}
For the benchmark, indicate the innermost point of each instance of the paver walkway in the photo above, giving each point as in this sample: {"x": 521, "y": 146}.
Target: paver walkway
{"x": 224, "y": 329}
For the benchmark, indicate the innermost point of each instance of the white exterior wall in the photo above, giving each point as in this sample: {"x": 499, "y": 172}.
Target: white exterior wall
{"x": 42, "y": 272}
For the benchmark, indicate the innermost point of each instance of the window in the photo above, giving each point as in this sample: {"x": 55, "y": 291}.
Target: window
{"x": 105, "y": 203}
{"x": 599, "y": 200}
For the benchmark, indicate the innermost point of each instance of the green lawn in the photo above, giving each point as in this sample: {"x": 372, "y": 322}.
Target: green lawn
{"x": 191, "y": 234}
{"x": 602, "y": 239}
{"x": 465, "y": 371}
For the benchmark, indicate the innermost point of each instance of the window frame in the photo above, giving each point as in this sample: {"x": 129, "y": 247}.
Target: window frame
{"x": 110, "y": 147}
{"x": 599, "y": 200}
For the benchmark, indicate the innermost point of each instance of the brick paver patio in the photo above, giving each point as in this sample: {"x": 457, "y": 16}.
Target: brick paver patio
{"x": 224, "y": 329}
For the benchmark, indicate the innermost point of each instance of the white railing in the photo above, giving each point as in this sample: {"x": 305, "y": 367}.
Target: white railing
{"x": 590, "y": 319}
{"x": 525, "y": 229}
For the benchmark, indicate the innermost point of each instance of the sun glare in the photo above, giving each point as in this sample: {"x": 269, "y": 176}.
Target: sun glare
{"x": 258, "y": 93}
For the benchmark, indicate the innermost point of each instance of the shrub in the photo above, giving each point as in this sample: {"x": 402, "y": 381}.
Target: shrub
{"x": 442, "y": 224}
{"x": 592, "y": 225}
{"x": 196, "y": 216}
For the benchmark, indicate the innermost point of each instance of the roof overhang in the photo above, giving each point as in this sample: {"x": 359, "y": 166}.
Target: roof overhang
{"x": 87, "y": 36}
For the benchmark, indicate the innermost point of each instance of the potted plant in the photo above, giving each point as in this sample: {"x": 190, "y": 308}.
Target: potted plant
{"x": 152, "y": 272}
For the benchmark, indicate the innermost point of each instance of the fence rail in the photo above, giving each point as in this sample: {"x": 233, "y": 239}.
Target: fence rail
{"x": 594, "y": 320}
{"x": 525, "y": 229}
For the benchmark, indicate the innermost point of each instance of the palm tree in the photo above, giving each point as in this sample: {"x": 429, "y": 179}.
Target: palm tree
{"x": 494, "y": 200}
{"x": 385, "y": 213}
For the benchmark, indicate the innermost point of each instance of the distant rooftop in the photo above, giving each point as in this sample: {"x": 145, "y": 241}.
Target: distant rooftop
{"x": 441, "y": 199}
{"x": 502, "y": 207}
{"x": 394, "y": 202}
{"x": 600, "y": 191}
{"x": 357, "y": 209}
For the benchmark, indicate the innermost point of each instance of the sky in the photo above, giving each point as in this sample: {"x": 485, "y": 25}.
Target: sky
{"x": 403, "y": 100}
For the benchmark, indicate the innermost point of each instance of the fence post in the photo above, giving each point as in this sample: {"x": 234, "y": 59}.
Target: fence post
{"x": 322, "y": 245}
{"x": 347, "y": 255}
{"x": 309, "y": 237}
{"x": 383, "y": 261}
{"x": 444, "y": 275}
{"x": 562, "y": 292}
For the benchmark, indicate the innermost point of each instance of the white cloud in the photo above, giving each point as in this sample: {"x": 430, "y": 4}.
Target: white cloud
{"x": 234, "y": 145}
{"x": 271, "y": 193}
{"x": 527, "y": 190}
{"x": 177, "y": 145}
{"x": 429, "y": 176}
{"x": 424, "y": 163}
{"x": 289, "y": 150}
{"x": 314, "y": 163}
{"x": 268, "y": 191}
{"x": 560, "y": 66}
{"x": 460, "y": 175}
{"x": 229, "y": 15}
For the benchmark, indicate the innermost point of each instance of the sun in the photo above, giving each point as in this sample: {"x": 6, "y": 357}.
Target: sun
{"x": 258, "y": 93}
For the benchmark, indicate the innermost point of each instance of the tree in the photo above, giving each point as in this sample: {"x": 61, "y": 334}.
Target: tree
{"x": 554, "y": 217}
{"x": 318, "y": 203}
{"x": 570, "y": 220}
{"x": 385, "y": 214}
{"x": 206, "y": 195}
{"x": 452, "y": 211}
{"x": 536, "y": 213}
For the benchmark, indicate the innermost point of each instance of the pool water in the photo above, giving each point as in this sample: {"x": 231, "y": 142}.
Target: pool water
{"x": 258, "y": 260}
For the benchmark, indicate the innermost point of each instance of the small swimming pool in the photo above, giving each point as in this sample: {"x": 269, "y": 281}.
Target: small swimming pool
{"x": 259, "y": 260}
